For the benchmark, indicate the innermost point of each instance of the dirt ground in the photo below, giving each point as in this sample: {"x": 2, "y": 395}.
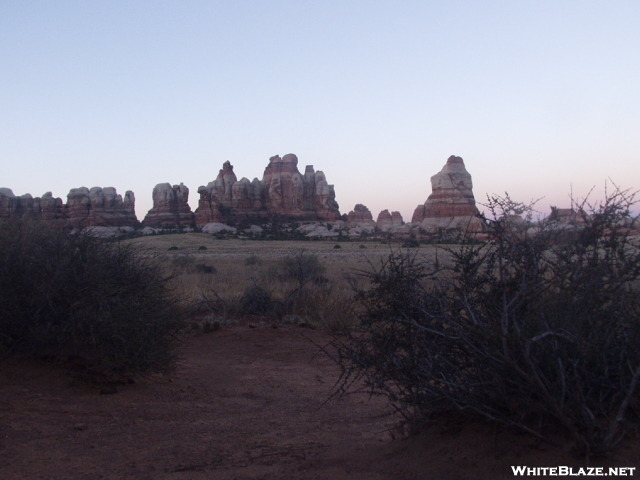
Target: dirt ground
{"x": 245, "y": 403}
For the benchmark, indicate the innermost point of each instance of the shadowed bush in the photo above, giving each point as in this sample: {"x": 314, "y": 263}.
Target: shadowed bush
{"x": 72, "y": 296}
{"x": 531, "y": 329}
{"x": 256, "y": 300}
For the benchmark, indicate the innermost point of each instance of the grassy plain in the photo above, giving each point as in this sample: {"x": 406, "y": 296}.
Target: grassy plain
{"x": 215, "y": 272}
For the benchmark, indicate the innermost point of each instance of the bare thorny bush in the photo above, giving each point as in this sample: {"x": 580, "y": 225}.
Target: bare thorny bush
{"x": 533, "y": 328}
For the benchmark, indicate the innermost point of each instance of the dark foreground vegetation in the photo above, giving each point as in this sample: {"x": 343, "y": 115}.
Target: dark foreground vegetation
{"x": 536, "y": 331}
{"x": 80, "y": 300}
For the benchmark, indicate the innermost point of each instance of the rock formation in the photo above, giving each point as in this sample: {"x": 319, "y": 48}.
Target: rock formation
{"x": 52, "y": 208}
{"x": 84, "y": 208}
{"x": 284, "y": 195}
{"x": 283, "y": 192}
{"x": 26, "y": 206}
{"x": 387, "y": 221}
{"x": 391, "y": 223}
{"x": 359, "y": 221}
{"x": 568, "y": 216}
{"x": 451, "y": 204}
{"x": 359, "y": 215}
{"x": 12, "y": 206}
{"x": 170, "y": 207}
{"x": 100, "y": 207}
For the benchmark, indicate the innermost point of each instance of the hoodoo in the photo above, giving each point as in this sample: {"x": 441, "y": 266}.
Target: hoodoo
{"x": 170, "y": 207}
{"x": 282, "y": 193}
{"x": 451, "y": 204}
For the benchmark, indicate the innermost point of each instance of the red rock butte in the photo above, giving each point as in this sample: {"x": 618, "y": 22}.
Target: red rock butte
{"x": 282, "y": 193}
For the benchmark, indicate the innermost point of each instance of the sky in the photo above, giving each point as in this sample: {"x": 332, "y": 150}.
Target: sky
{"x": 541, "y": 98}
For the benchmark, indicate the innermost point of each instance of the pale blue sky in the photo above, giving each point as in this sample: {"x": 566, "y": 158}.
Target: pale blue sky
{"x": 538, "y": 97}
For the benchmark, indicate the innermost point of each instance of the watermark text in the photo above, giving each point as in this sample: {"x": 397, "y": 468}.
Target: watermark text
{"x": 565, "y": 471}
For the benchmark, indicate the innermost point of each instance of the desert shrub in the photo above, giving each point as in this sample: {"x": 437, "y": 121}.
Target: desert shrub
{"x": 202, "y": 247}
{"x": 183, "y": 262}
{"x": 216, "y": 304}
{"x": 256, "y": 300}
{"x": 528, "y": 329}
{"x": 252, "y": 260}
{"x": 202, "y": 268}
{"x": 298, "y": 287}
{"x": 299, "y": 274}
{"x": 74, "y": 296}
{"x": 307, "y": 293}
{"x": 411, "y": 243}
{"x": 327, "y": 306}
{"x": 291, "y": 285}
{"x": 173, "y": 248}
{"x": 301, "y": 270}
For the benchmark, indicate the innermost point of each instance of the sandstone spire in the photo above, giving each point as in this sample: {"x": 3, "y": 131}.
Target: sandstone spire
{"x": 170, "y": 207}
{"x": 451, "y": 203}
{"x": 283, "y": 192}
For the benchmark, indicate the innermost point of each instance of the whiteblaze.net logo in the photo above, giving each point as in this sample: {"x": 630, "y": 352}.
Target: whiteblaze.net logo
{"x": 524, "y": 471}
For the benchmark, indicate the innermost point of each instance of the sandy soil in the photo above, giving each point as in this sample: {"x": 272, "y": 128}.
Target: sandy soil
{"x": 244, "y": 403}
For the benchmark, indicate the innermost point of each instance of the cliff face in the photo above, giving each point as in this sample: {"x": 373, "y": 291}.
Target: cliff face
{"x": 283, "y": 192}
{"x": 84, "y": 208}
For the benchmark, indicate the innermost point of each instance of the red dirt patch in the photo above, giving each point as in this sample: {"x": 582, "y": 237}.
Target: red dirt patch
{"x": 243, "y": 404}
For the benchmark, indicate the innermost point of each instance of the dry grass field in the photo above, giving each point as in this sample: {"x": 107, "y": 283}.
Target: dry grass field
{"x": 208, "y": 268}
{"x": 232, "y": 256}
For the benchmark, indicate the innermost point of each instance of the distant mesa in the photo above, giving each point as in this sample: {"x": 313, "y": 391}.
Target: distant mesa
{"x": 85, "y": 207}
